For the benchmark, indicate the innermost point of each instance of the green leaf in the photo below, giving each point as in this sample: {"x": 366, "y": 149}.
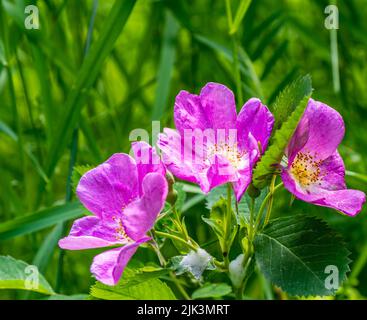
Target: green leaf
{"x": 166, "y": 65}
{"x": 212, "y": 290}
{"x": 240, "y": 14}
{"x": 288, "y": 110}
{"x": 217, "y": 222}
{"x": 40, "y": 220}
{"x": 72, "y": 297}
{"x": 290, "y": 98}
{"x": 293, "y": 253}
{"x": 16, "y": 274}
{"x": 181, "y": 196}
{"x": 243, "y": 206}
{"x": 135, "y": 285}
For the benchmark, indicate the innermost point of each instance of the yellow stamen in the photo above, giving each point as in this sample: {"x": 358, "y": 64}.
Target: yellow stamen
{"x": 306, "y": 169}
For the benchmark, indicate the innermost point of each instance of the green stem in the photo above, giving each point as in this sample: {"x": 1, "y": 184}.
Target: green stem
{"x": 263, "y": 205}
{"x": 227, "y": 226}
{"x": 237, "y": 70}
{"x": 173, "y": 237}
{"x": 359, "y": 265}
{"x": 235, "y": 51}
{"x": 270, "y": 206}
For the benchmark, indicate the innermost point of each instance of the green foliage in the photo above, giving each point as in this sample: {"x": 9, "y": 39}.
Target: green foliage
{"x": 243, "y": 206}
{"x": 288, "y": 110}
{"x": 293, "y": 253}
{"x": 217, "y": 221}
{"x": 16, "y": 274}
{"x": 135, "y": 285}
{"x": 98, "y": 69}
{"x": 212, "y": 290}
{"x": 40, "y": 220}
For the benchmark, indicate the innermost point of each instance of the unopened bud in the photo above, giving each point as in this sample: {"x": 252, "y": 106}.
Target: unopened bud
{"x": 253, "y": 192}
{"x": 172, "y": 193}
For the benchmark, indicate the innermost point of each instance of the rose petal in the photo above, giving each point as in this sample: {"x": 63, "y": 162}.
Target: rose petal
{"x": 139, "y": 216}
{"x": 255, "y": 118}
{"x": 219, "y": 106}
{"x": 90, "y": 232}
{"x": 325, "y": 130}
{"x": 109, "y": 187}
{"x": 108, "y": 266}
{"x": 147, "y": 161}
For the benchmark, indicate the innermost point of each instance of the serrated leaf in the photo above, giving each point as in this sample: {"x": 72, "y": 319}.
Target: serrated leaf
{"x": 293, "y": 253}
{"x": 288, "y": 111}
{"x": 289, "y": 99}
{"x": 135, "y": 285}
{"x": 212, "y": 290}
{"x": 16, "y": 274}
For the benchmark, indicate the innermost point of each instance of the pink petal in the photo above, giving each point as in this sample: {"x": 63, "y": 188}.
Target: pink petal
{"x": 139, "y": 216}
{"x": 325, "y": 130}
{"x": 219, "y": 106}
{"x": 90, "y": 232}
{"x": 177, "y": 157}
{"x": 108, "y": 266}
{"x": 147, "y": 161}
{"x": 188, "y": 112}
{"x": 109, "y": 187}
{"x": 219, "y": 172}
{"x": 255, "y": 118}
{"x": 330, "y": 192}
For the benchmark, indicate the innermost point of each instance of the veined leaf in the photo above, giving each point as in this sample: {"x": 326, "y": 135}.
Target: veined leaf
{"x": 40, "y": 220}
{"x": 134, "y": 285}
{"x": 295, "y": 252}
{"x": 288, "y": 110}
{"x": 16, "y": 274}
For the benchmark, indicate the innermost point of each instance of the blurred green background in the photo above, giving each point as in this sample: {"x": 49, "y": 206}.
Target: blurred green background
{"x": 72, "y": 91}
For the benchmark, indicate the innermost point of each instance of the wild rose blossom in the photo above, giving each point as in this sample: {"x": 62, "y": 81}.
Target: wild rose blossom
{"x": 212, "y": 144}
{"x": 125, "y": 195}
{"x": 315, "y": 171}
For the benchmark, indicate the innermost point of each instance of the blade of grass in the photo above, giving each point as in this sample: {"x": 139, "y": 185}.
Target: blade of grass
{"x": 240, "y": 14}
{"x": 166, "y": 63}
{"x": 88, "y": 73}
{"x": 40, "y": 220}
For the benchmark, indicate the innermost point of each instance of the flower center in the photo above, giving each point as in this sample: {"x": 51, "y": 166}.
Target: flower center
{"x": 305, "y": 169}
{"x": 230, "y": 152}
{"x": 120, "y": 233}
